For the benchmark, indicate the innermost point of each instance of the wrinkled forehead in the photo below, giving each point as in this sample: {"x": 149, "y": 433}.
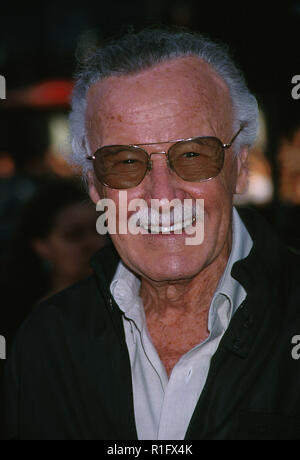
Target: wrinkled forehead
{"x": 171, "y": 92}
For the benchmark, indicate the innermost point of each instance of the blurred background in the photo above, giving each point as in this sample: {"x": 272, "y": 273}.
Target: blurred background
{"x": 38, "y": 50}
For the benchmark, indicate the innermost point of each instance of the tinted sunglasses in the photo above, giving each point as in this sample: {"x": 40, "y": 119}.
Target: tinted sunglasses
{"x": 196, "y": 159}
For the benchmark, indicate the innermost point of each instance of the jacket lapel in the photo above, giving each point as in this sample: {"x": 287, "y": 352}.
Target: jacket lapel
{"x": 105, "y": 263}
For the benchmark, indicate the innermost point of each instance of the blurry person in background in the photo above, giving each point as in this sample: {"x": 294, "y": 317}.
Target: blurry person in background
{"x": 288, "y": 212}
{"x": 23, "y": 168}
{"x": 56, "y": 236}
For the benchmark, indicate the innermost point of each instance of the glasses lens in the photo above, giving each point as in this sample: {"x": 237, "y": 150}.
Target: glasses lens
{"x": 120, "y": 166}
{"x": 197, "y": 160}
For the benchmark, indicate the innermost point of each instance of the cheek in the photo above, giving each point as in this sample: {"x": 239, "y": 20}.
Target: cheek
{"x": 218, "y": 201}
{"x": 125, "y": 243}
{"x": 64, "y": 252}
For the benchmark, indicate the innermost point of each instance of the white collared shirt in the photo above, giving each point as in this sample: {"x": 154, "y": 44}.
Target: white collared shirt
{"x": 163, "y": 407}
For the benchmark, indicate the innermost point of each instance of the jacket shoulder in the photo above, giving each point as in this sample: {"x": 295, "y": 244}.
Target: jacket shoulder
{"x": 78, "y": 309}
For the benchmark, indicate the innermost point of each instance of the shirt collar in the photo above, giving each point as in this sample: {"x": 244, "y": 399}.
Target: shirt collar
{"x": 125, "y": 288}
{"x": 228, "y": 286}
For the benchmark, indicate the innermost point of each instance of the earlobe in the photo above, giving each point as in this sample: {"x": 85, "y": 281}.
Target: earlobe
{"x": 93, "y": 192}
{"x": 242, "y": 172}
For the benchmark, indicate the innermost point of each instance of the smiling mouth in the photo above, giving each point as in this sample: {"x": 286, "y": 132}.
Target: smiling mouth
{"x": 167, "y": 229}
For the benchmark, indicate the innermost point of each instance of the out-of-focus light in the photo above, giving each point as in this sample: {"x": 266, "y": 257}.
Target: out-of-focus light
{"x": 59, "y": 146}
{"x": 7, "y": 165}
{"x": 260, "y": 190}
{"x": 260, "y": 185}
{"x": 289, "y": 167}
{"x": 261, "y": 141}
{"x": 46, "y": 94}
{"x": 58, "y": 127}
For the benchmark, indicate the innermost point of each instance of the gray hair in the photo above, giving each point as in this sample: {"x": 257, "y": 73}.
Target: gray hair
{"x": 135, "y": 52}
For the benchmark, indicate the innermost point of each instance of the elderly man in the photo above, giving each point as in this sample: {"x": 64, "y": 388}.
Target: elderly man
{"x": 167, "y": 340}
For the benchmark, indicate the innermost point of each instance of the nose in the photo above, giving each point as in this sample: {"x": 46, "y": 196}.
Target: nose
{"x": 162, "y": 182}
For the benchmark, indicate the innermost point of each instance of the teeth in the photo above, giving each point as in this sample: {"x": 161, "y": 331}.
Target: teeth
{"x": 168, "y": 229}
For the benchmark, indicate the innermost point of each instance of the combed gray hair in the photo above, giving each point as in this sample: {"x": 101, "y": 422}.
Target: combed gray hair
{"x": 135, "y": 52}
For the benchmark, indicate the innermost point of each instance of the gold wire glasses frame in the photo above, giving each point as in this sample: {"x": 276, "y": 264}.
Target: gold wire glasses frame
{"x": 173, "y": 142}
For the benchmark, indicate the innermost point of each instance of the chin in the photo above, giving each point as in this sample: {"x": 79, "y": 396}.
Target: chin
{"x": 162, "y": 259}
{"x": 169, "y": 268}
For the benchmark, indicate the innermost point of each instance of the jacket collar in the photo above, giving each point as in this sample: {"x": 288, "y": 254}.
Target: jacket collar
{"x": 105, "y": 262}
{"x": 259, "y": 274}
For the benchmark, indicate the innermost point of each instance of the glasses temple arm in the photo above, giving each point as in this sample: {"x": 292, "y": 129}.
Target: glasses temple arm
{"x": 226, "y": 146}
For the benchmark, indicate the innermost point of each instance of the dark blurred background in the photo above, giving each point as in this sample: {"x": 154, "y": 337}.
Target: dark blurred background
{"x": 38, "y": 49}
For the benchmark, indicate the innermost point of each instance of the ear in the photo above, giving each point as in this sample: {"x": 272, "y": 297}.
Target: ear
{"x": 93, "y": 190}
{"x": 242, "y": 171}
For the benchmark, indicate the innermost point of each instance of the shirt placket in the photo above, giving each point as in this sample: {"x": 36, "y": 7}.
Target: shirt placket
{"x": 148, "y": 373}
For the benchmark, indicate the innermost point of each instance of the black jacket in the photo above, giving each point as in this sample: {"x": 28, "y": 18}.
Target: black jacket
{"x": 68, "y": 375}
